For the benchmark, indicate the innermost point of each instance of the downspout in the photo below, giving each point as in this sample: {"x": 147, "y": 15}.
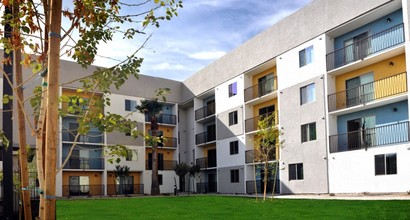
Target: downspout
{"x": 324, "y": 79}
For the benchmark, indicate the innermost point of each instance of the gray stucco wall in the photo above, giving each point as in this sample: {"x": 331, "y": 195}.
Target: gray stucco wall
{"x": 312, "y": 20}
{"x": 312, "y": 153}
{"x": 223, "y": 130}
{"x": 224, "y": 180}
{"x": 120, "y": 138}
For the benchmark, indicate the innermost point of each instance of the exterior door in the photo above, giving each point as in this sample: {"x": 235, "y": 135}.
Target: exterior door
{"x": 266, "y": 84}
{"x": 212, "y": 182}
{"x": 353, "y": 134}
{"x": 211, "y": 133}
{"x": 212, "y": 158}
{"x": 210, "y": 107}
{"x": 353, "y": 92}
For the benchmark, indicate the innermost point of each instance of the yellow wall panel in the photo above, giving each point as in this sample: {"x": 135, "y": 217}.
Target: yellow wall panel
{"x": 264, "y": 73}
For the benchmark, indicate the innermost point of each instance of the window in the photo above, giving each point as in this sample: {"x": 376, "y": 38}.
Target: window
{"x": 233, "y": 89}
{"x": 233, "y": 147}
{"x": 296, "y": 171}
{"x": 160, "y": 179}
{"x": 234, "y": 176}
{"x": 385, "y": 164}
{"x": 130, "y": 105}
{"x": 307, "y": 94}
{"x": 160, "y": 161}
{"x": 132, "y": 155}
{"x": 309, "y": 132}
{"x": 233, "y": 118}
{"x": 305, "y": 56}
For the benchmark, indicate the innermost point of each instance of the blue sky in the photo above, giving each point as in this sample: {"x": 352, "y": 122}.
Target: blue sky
{"x": 204, "y": 31}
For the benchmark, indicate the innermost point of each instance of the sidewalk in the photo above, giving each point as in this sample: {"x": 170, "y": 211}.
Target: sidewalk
{"x": 358, "y": 196}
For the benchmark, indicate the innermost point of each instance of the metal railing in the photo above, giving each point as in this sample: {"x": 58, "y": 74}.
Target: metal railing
{"x": 166, "y": 142}
{"x": 84, "y": 163}
{"x": 205, "y": 137}
{"x": 250, "y": 186}
{"x": 125, "y": 189}
{"x": 91, "y": 137}
{"x": 205, "y": 111}
{"x": 261, "y": 89}
{"x": 162, "y": 164}
{"x": 83, "y": 190}
{"x": 206, "y": 162}
{"x": 251, "y": 156}
{"x": 163, "y": 119}
{"x": 370, "y": 137}
{"x": 206, "y": 187}
{"x": 368, "y": 92}
{"x": 251, "y": 124}
{"x": 368, "y": 46}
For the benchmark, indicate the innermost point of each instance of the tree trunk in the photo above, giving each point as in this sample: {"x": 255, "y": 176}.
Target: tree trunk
{"x": 154, "y": 176}
{"x": 21, "y": 125}
{"x": 265, "y": 179}
{"x": 22, "y": 137}
{"x": 52, "y": 129}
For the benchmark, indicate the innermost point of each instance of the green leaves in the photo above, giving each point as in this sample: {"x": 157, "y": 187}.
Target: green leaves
{"x": 3, "y": 139}
{"x": 7, "y": 99}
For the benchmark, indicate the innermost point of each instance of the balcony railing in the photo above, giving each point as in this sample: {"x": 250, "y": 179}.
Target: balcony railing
{"x": 368, "y": 46}
{"x": 162, "y": 164}
{"x": 166, "y": 142}
{"x": 91, "y": 137}
{"x": 206, "y": 162}
{"x": 368, "y": 92}
{"x": 205, "y": 137}
{"x": 206, "y": 187}
{"x": 163, "y": 119}
{"x": 370, "y": 137}
{"x": 250, "y": 156}
{"x": 251, "y": 124}
{"x": 205, "y": 111}
{"x": 83, "y": 190}
{"x": 250, "y": 186}
{"x": 125, "y": 189}
{"x": 261, "y": 89}
{"x": 84, "y": 163}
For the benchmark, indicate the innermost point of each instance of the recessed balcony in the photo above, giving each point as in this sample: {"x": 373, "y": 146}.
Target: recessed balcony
{"x": 261, "y": 89}
{"x": 206, "y": 162}
{"x": 205, "y": 112}
{"x": 371, "y": 137}
{"x": 359, "y": 50}
{"x": 376, "y": 90}
{"x": 84, "y": 163}
{"x": 163, "y": 119}
{"x": 205, "y": 137}
{"x": 251, "y": 124}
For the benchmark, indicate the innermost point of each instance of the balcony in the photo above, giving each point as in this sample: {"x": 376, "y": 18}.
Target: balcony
{"x": 261, "y": 89}
{"x": 170, "y": 142}
{"x": 83, "y": 190}
{"x": 370, "y": 137}
{"x": 84, "y": 163}
{"x": 383, "y": 88}
{"x": 163, "y": 119}
{"x": 250, "y": 156}
{"x": 251, "y": 124}
{"x": 359, "y": 50}
{"x": 91, "y": 137}
{"x": 205, "y": 137}
{"x": 206, "y": 187}
{"x": 206, "y": 162}
{"x": 162, "y": 164}
{"x": 125, "y": 189}
{"x": 205, "y": 111}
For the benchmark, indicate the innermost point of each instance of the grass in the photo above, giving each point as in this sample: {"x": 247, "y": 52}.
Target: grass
{"x": 221, "y": 207}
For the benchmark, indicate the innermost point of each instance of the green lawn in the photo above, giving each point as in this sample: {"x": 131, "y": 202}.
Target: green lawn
{"x": 220, "y": 207}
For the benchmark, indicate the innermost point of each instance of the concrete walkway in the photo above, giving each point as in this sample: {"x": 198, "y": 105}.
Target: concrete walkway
{"x": 359, "y": 196}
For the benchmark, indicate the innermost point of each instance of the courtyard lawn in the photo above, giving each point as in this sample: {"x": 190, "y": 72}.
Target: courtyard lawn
{"x": 224, "y": 207}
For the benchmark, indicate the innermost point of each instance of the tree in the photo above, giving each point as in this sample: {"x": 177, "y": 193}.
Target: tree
{"x": 266, "y": 144}
{"x": 122, "y": 173}
{"x": 37, "y": 33}
{"x": 181, "y": 170}
{"x": 152, "y": 109}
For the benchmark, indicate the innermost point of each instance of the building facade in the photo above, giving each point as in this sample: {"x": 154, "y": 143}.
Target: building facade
{"x": 334, "y": 77}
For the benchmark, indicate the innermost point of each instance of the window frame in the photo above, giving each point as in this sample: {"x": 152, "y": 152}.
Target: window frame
{"x": 233, "y": 118}
{"x": 235, "y": 176}
{"x": 386, "y": 167}
{"x": 306, "y": 56}
{"x": 233, "y": 89}
{"x": 131, "y": 103}
{"x": 234, "y": 147}
{"x": 307, "y": 94}
{"x": 306, "y": 132}
{"x": 296, "y": 171}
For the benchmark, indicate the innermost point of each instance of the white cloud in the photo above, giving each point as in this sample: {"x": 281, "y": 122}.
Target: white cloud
{"x": 209, "y": 55}
{"x": 168, "y": 66}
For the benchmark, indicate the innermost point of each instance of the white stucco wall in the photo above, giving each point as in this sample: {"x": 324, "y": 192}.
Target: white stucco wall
{"x": 354, "y": 171}
{"x": 223, "y": 101}
{"x": 224, "y": 159}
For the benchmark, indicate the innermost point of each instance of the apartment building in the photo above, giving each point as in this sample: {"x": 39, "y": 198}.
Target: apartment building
{"x": 333, "y": 74}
